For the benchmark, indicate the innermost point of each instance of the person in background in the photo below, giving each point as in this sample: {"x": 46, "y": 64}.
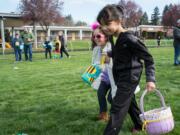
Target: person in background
{"x": 17, "y": 44}
{"x": 158, "y": 41}
{"x": 28, "y": 42}
{"x": 176, "y": 35}
{"x": 48, "y": 47}
{"x": 57, "y": 48}
{"x": 63, "y": 49}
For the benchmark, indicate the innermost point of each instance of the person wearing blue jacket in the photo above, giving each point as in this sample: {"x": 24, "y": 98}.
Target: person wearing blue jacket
{"x": 48, "y": 47}
{"x": 176, "y": 35}
{"x": 17, "y": 44}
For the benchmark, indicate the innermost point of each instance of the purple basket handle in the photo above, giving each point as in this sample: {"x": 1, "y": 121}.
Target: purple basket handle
{"x": 158, "y": 93}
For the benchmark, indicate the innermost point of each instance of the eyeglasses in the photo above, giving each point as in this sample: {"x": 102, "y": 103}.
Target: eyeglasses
{"x": 98, "y": 36}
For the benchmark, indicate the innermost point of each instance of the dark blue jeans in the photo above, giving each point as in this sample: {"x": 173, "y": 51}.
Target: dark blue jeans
{"x": 101, "y": 93}
{"x": 28, "y": 50}
{"x": 18, "y": 54}
{"x": 176, "y": 54}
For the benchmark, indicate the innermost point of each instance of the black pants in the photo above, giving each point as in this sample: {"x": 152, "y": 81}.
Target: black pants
{"x": 101, "y": 93}
{"x": 48, "y": 51}
{"x": 65, "y": 51}
{"x": 124, "y": 102}
{"x": 158, "y": 42}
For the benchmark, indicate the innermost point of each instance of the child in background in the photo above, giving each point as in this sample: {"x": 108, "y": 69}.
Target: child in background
{"x": 57, "y": 47}
{"x": 48, "y": 47}
{"x": 17, "y": 44}
{"x": 127, "y": 68}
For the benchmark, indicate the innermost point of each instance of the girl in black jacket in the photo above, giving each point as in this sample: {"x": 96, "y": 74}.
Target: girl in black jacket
{"x": 127, "y": 68}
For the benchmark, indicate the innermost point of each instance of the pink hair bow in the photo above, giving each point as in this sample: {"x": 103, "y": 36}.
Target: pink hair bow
{"x": 95, "y": 25}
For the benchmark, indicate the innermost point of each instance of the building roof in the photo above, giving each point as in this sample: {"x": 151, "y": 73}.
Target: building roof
{"x": 11, "y": 19}
{"x": 10, "y": 15}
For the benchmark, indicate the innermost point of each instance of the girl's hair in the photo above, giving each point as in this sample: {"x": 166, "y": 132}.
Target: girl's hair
{"x": 110, "y": 13}
{"x": 93, "y": 43}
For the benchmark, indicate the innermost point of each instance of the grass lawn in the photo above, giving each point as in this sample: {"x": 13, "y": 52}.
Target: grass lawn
{"x": 48, "y": 97}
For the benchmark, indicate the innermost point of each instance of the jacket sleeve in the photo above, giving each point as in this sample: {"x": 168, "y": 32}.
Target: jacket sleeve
{"x": 94, "y": 54}
{"x": 176, "y": 33}
{"x": 62, "y": 41}
{"x": 139, "y": 49}
{"x": 21, "y": 41}
{"x": 32, "y": 37}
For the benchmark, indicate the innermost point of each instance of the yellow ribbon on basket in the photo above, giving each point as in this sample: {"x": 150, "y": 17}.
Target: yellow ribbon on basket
{"x": 149, "y": 121}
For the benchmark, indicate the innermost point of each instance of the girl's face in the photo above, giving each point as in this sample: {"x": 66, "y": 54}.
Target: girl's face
{"x": 17, "y": 36}
{"x": 111, "y": 28}
{"x": 99, "y": 38}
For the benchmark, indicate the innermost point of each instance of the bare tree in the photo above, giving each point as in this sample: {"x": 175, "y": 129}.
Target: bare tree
{"x": 133, "y": 13}
{"x": 171, "y": 15}
{"x": 43, "y": 12}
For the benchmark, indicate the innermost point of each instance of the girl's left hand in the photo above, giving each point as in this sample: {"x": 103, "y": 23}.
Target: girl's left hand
{"x": 150, "y": 86}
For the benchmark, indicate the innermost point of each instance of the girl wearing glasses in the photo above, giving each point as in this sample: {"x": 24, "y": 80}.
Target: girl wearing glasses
{"x": 101, "y": 46}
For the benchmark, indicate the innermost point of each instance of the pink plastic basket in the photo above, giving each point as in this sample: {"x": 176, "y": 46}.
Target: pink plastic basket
{"x": 157, "y": 121}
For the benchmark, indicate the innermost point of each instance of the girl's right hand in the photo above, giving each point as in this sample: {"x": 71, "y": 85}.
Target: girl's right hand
{"x": 107, "y": 59}
{"x": 150, "y": 86}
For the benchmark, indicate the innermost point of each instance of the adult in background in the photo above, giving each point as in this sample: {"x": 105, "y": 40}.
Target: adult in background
{"x": 28, "y": 42}
{"x": 17, "y": 44}
{"x": 63, "y": 49}
{"x": 176, "y": 35}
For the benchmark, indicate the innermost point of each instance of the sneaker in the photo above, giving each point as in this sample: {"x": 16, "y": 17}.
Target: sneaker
{"x": 103, "y": 116}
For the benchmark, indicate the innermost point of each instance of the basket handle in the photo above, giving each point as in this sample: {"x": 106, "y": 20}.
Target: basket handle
{"x": 142, "y": 100}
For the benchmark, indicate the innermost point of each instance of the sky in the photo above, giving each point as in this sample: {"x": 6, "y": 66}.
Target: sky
{"x": 87, "y": 10}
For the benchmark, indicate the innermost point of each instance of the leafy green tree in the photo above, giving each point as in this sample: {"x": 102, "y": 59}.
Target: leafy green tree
{"x": 155, "y": 18}
{"x": 144, "y": 19}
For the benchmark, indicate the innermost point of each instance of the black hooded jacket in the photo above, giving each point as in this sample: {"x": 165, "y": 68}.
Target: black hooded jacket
{"x": 128, "y": 54}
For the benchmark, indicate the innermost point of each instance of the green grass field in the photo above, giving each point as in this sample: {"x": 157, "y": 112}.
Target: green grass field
{"x": 48, "y": 97}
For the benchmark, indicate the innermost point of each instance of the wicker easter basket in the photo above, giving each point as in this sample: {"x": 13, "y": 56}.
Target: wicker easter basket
{"x": 157, "y": 121}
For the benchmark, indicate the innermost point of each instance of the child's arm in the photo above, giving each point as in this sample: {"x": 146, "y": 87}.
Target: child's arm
{"x": 139, "y": 50}
{"x": 95, "y": 55}
{"x": 176, "y": 33}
